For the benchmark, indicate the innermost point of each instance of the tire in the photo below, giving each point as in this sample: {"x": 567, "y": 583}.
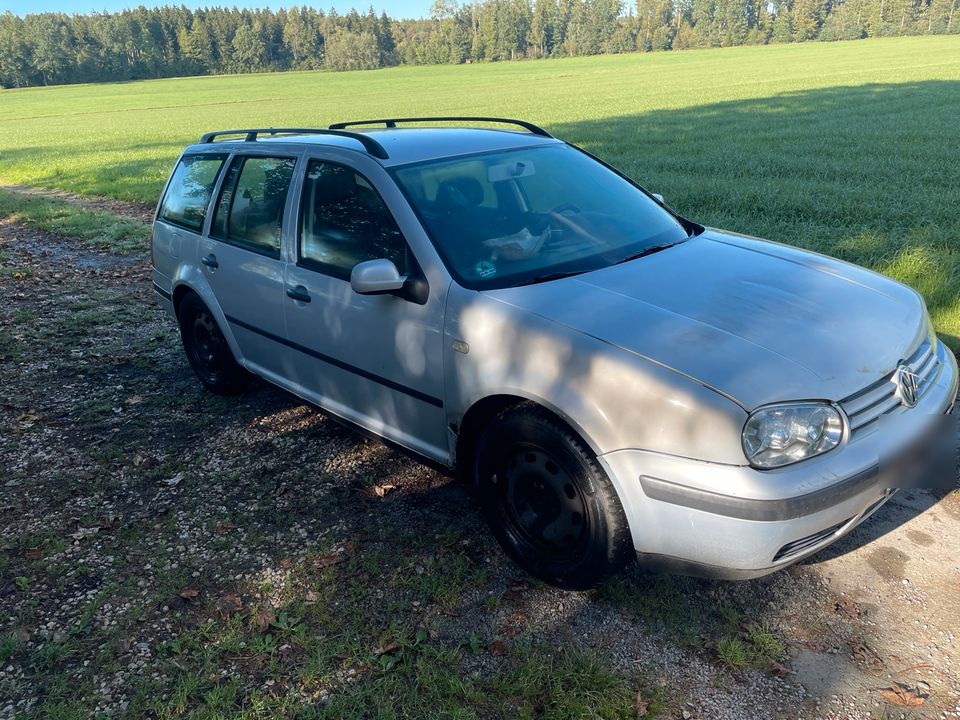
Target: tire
{"x": 207, "y": 349}
{"x": 550, "y": 504}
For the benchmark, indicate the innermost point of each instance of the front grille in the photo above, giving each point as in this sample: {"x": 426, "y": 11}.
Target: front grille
{"x": 798, "y": 546}
{"x": 868, "y": 405}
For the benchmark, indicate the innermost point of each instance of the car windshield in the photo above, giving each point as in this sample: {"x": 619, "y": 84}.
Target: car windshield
{"x": 535, "y": 214}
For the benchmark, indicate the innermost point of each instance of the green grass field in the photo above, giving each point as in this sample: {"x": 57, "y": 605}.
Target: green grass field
{"x": 847, "y": 148}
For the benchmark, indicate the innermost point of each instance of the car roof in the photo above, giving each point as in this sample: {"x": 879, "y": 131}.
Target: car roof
{"x": 402, "y": 145}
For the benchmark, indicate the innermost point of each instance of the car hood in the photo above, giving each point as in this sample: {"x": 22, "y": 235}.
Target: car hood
{"x": 757, "y": 321}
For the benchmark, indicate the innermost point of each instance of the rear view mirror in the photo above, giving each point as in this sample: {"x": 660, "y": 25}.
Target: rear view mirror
{"x": 374, "y": 277}
{"x": 511, "y": 171}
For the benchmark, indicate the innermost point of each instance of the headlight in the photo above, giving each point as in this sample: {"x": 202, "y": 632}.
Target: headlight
{"x": 778, "y": 435}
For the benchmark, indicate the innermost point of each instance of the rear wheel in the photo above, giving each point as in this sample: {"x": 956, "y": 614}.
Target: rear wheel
{"x": 548, "y": 501}
{"x": 207, "y": 349}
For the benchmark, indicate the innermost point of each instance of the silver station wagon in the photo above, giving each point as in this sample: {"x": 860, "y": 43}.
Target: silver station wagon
{"x": 615, "y": 380}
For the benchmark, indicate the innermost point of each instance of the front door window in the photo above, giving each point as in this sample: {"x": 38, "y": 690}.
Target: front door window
{"x": 345, "y": 222}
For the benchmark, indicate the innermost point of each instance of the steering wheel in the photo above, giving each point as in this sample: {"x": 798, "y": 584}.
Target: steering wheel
{"x": 566, "y": 207}
{"x": 560, "y": 219}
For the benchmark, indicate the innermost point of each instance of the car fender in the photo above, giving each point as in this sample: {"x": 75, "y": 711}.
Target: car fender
{"x": 614, "y": 399}
{"x": 190, "y": 277}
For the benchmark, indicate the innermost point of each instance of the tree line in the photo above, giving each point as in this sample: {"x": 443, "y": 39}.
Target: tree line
{"x": 55, "y": 48}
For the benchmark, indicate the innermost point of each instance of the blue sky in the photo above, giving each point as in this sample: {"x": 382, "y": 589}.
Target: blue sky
{"x": 394, "y": 8}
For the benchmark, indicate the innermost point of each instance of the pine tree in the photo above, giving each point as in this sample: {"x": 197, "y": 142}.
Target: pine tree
{"x": 199, "y": 47}
{"x": 543, "y": 28}
{"x": 348, "y": 50}
{"x": 52, "y": 45}
{"x": 764, "y": 23}
{"x": 732, "y": 21}
{"x": 806, "y": 15}
{"x": 655, "y": 24}
{"x": 783, "y": 24}
{"x": 302, "y": 39}
{"x": 943, "y": 17}
{"x": 684, "y": 38}
{"x": 14, "y": 71}
{"x": 247, "y": 50}
{"x": 705, "y": 30}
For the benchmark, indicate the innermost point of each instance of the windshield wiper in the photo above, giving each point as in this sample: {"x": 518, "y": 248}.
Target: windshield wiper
{"x": 550, "y": 276}
{"x": 649, "y": 251}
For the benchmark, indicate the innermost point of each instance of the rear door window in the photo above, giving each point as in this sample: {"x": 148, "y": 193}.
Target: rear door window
{"x": 250, "y": 210}
{"x": 189, "y": 191}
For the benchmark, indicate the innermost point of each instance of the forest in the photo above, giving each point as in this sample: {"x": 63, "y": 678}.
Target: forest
{"x": 55, "y": 48}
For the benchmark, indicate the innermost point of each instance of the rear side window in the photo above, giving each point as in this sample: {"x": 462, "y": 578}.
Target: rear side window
{"x": 188, "y": 194}
{"x": 344, "y": 222}
{"x": 250, "y": 209}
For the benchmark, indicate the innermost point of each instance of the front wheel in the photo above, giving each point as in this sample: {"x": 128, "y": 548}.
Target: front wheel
{"x": 207, "y": 349}
{"x": 548, "y": 501}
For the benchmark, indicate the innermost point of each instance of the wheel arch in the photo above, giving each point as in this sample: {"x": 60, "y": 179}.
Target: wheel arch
{"x": 478, "y": 413}
{"x": 180, "y": 292}
{"x": 185, "y": 284}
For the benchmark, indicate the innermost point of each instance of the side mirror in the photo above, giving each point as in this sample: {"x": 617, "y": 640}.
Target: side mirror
{"x": 375, "y": 277}
{"x": 658, "y": 196}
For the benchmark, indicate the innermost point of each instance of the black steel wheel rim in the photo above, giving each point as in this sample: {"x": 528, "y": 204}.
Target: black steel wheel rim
{"x": 544, "y": 508}
{"x": 206, "y": 345}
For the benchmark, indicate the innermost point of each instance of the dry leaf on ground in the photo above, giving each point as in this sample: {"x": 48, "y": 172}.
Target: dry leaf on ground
{"x": 497, "y": 648}
{"x": 263, "y": 618}
{"x": 229, "y": 604}
{"x": 174, "y": 481}
{"x": 865, "y": 655}
{"x": 847, "y": 608}
{"x": 779, "y": 669}
{"x": 84, "y": 533}
{"x": 902, "y": 695}
{"x": 384, "y": 649}
{"x": 322, "y": 562}
{"x": 641, "y": 705}
{"x": 27, "y": 420}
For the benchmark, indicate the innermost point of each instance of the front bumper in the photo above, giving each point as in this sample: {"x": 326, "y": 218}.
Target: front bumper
{"x": 735, "y": 521}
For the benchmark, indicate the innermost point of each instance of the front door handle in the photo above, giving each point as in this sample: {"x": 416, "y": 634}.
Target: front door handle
{"x": 211, "y": 261}
{"x": 299, "y": 293}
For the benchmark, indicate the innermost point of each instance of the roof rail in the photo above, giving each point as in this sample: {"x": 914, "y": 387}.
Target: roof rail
{"x": 392, "y": 122}
{"x": 369, "y": 144}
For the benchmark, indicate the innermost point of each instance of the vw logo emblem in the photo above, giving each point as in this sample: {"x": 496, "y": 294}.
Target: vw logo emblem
{"x": 907, "y": 386}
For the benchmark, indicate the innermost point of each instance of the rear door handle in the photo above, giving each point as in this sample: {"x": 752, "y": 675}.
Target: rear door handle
{"x": 211, "y": 261}
{"x": 299, "y": 293}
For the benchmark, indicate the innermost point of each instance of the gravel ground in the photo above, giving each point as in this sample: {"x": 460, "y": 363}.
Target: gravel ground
{"x": 164, "y": 549}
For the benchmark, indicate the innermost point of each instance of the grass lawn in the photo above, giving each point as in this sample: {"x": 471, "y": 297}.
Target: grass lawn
{"x": 100, "y": 229}
{"x": 846, "y": 148}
